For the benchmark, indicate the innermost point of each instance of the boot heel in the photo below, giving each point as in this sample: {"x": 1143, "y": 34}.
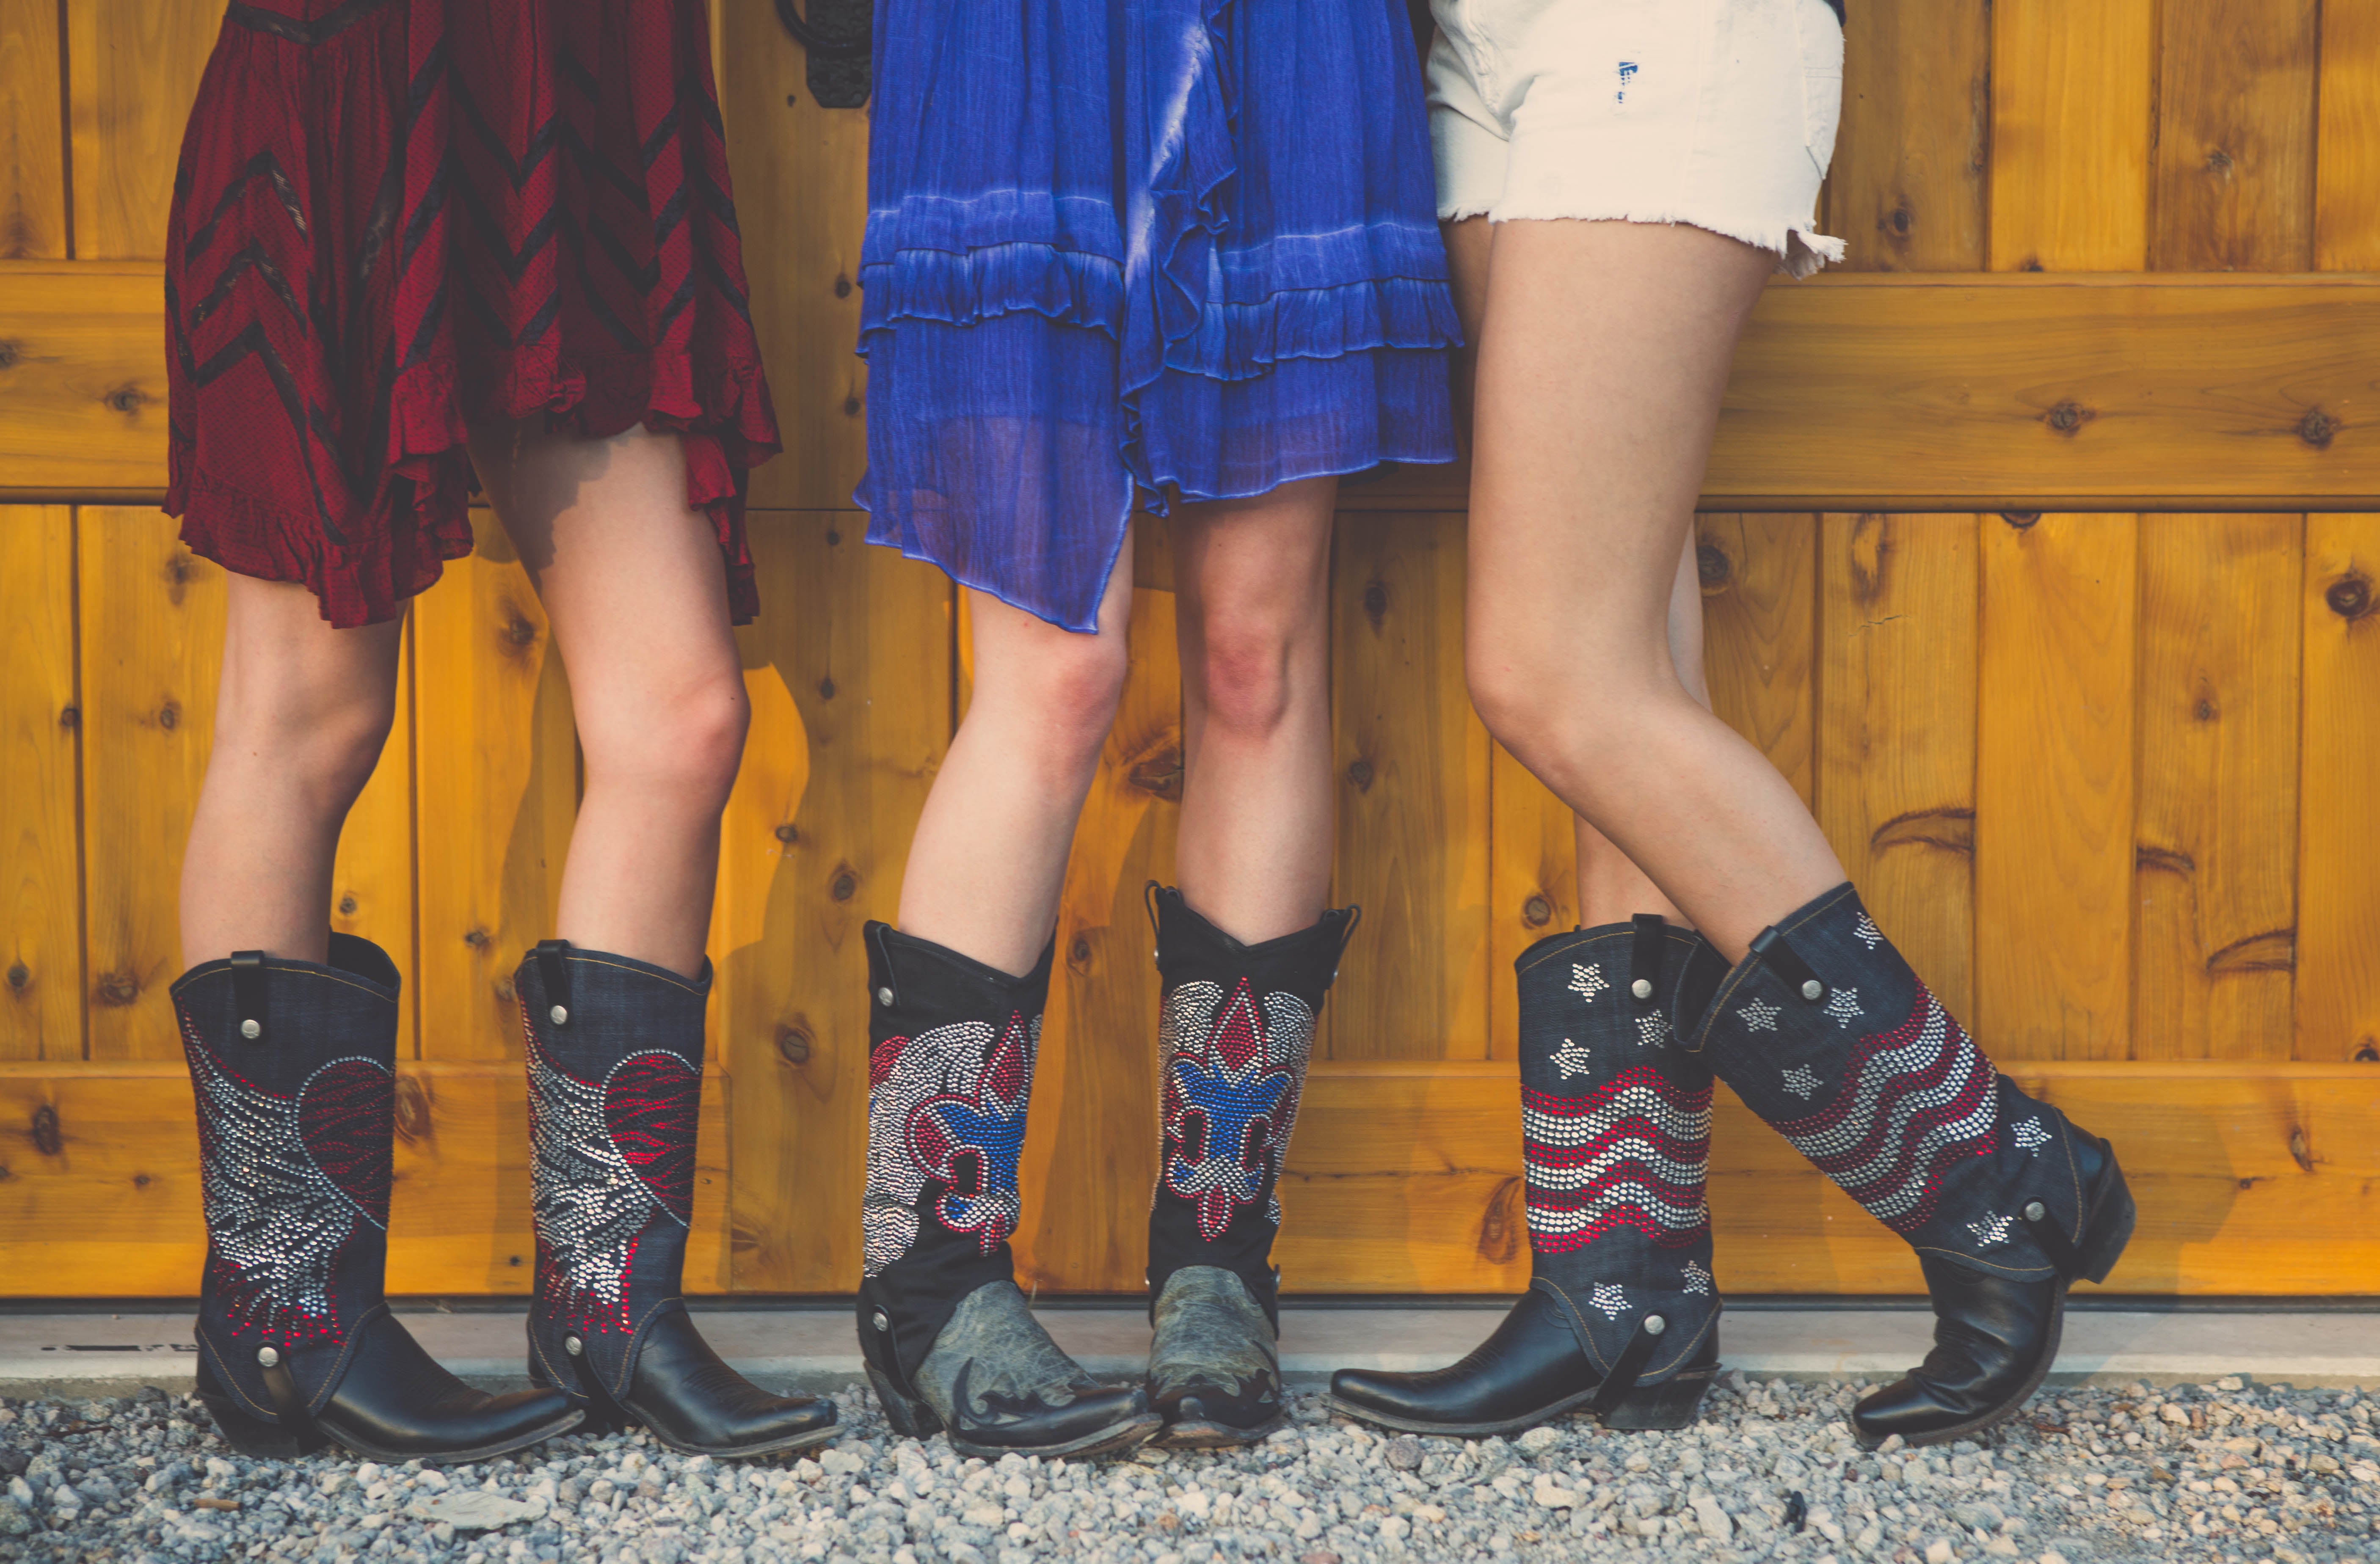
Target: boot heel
{"x": 2110, "y": 1227}
{"x": 910, "y": 1417}
{"x": 1673, "y": 1403}
{"x": 252, "y": 1436}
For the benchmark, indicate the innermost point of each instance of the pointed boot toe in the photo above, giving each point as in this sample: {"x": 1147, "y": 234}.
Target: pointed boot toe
{"x": 1214, "y": 1373}
{"x": 693, "y": 1403}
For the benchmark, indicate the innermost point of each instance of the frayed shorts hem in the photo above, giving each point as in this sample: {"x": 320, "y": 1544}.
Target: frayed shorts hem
{"x": 1798, "y": 252}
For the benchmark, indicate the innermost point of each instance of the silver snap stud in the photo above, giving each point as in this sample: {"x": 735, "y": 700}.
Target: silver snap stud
{"x": 884, "y": 997}
{"x": 572, "y": 1345}
{"x": 266, "y": 1357}
{"x": 558, "y": 1015}
{"x": 251, "y": 1029}
{"x": 1642, "y": 988}
{"x": 2036, "y": 1211}
{"x": 1655, "y": 1324}
{"x": 1813, "y": 990}
{"x": 880, "y": 1321}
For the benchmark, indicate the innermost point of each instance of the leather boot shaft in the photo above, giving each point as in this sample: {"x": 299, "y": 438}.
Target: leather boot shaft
{"x": 614, "y": 1050}
{"x": 1236, "y": 1035}
{"x": 1616, "y": 1118}
{"x": 292, "y": 1066}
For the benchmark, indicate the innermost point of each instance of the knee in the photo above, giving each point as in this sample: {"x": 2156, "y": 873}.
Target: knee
{"x": 326, "y": 740}
{"x": 685, "y": 743}
{"x": 1243, "y": 678}
{"x": 1072, "y": 693}
{"x": 1548, "y": 710}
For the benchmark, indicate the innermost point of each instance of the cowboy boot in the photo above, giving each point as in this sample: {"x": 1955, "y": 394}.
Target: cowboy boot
{"x": 948, "y": 1340}
{"x": 615, "y": 1048}
{"x": 1235, "y": 1032}
{"x": 1622, "y": 1315}
{"x": 292, "y": 1065}
{"x": 1825, "y": 1032}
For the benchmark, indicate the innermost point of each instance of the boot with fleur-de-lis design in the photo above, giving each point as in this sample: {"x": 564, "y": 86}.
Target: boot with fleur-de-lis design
{"x": 1621, "y": 1314}
{"x": 1825, "y": 1032}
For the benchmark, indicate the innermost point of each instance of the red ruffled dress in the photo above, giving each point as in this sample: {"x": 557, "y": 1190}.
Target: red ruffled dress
{"x": 394, "y": 219}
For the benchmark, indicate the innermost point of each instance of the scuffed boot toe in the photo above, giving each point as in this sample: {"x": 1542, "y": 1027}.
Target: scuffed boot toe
{"x": 1214, "y": 1370}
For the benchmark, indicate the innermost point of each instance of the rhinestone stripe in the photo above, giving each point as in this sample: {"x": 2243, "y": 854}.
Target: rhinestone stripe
{"x": 1631, "y": 1154}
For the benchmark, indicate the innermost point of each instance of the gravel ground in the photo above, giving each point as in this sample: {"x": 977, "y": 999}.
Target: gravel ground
{"x": 2198, "y": 1473}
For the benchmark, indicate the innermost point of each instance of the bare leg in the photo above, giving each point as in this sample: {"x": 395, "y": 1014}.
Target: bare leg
{"x": 631, "y": 578}
{"x": 1611, "y": 888}
{"x": 1603, "y": 354}
{"x": 300, "y": 715}
{"x": 1254, "y": 579}
{"x": 989, "y": 859}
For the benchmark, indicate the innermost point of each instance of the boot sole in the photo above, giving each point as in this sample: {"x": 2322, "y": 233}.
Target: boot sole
{"x": 1205, "y": 1434}
{"x": 2104, "y": 1236}
{"x": 914, "y": 1419}
{"x": 252, "y": 1435}
{"x": 1673, "y": 1403}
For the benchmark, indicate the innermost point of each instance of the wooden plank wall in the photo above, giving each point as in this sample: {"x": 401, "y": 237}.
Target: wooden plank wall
{"x": 2105, "y": 773}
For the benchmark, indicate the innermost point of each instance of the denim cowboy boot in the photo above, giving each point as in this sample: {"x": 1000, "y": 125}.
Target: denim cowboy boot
{"x": 614, "y": 1053}
{"x": 1235, "y": 1032}
{"x": 948, "y": 1338}
{"x": 1823, "y": 1030}
{"x": 1621, "y": 1315}
{"x": 293, "y": 1066}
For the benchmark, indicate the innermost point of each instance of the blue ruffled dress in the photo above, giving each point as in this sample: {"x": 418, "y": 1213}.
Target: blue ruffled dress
{"x": 1131, "y": 251}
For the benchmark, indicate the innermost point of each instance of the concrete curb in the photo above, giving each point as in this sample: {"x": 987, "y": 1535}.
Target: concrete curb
{"x": 90, "y": 1355}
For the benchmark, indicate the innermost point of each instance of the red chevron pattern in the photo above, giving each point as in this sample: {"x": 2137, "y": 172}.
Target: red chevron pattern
{"x": 394, "y": 219}
{"x": 1629, "y": 1154}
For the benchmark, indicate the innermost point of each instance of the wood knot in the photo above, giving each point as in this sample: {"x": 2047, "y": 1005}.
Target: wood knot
{"x": 169, "y": 716}
{"x": 69, "y": 717}
{"x": 2205, "y": 711}
{"x": 1078, "y": 954}
{"x": 18, "y": 976}
{"x": 826, "y": 689}
{"x": 412, "y": 1109}
{"x": 503, "y": 990}
{"x": 346, "y": 907}
{"x": 2317, "y": 428}
{"x": 47, "y": 1140}
{"x": 1503, "y": 1223}
{"x": 519, "y": 632}
{"x": 1537, "y": 911}
{"x": 842, "y": 287}
{"x": 2068, "y": 416}
{"x": 1159, "y": 775}
{"x": 851, "y": 406}
{"x": 833, "y": 538}
{"x": 1375, "y": 601}
{"x": 1360, "y": 773}
{"x": 794, "y": 1044}
{"x": 2218, "y": 161}
{"x": 1900, "y": 220}
{"x": 141, "y": 1180}
{"x": 2299, "y": 1152}
{"x": 116, "y": 989}
{"x": 2367, "y": 1054}
{"x": 476, "y": 938}
{"x": 10, "y": 355}
{"x": 2349, "y": 597}
{"x": 2023, "y": 521}
{"x": 125, "y": 399}
{"x": 844, "y": 885}
{"x": 1712, "y": 567}
{"x": 787, "y": 835}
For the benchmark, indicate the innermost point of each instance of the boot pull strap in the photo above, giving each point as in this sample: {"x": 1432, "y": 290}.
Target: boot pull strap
{"x": 1149, "y": 902}
{"x": 1645, "y": 956}
{"x": 554, "y": 975}
{"x": 1779, "y": 958}
{"x": 282, "y": 1386}
{"x": 247, "y": 994}
{"x": 874, "y": 933}
{"x": 1346, "y": 938}
{"x": 1623, "y": 1377}
{"x": 2050, "y": 1234}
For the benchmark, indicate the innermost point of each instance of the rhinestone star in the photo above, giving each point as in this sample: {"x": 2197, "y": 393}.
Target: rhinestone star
{"x": 1587, "y": 981}
{"x": 1844, "y": 1006}
{"x": 1760, "y": 1016}
{"x": 2031, "y": 1135}
{"x": 1652, "y": 1029}
{"x": 1698, "y": 1280}
{"x": 1610, "y": 1299}
{"x": 1800, "y": 1081}
{"x": 1990, "y": 1231}
{"x": 1866, "y": 932}
{"x": 1573, "y": 1060}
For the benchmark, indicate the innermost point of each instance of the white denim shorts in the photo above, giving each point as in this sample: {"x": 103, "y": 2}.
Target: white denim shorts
{"x": 1717, "y": 113}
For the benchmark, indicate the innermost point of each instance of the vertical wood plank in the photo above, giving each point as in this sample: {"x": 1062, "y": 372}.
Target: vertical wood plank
{"x": 2216, "y": 879}
{"x": 33, "y": 140}
{"x": 1533, "y": 884}
{"x": 2069, "y": 141}
{"x": 1413, "y": 800}
{"x": 2233, "y": 183}
{"x": 133, "y": 67}
{"x": 40, "y": 850}
{"x": 2346, "y": 158}
{"x": 2054, "y": 793}
{"x": 801, "y": 186}
{"x": 1091, "y": 1153}
{"x": 1897, "y": 731}
{"x": 1906, "y": 192}
{"x": 371, "y": 879}
{"x": 849, "y": 670}
{"x": 2339, "y": 829}
{"x": 1760, "y": 589}
{"x": 497, "y": 785}
{"x": 152, "y": 643}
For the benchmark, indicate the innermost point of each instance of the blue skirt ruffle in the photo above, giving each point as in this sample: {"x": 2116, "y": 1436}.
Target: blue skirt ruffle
{"x": 1125, "y": 251}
